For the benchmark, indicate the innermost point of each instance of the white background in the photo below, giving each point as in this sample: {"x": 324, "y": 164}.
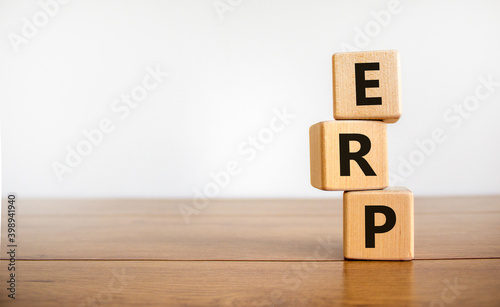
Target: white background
{"x": 228, "y": 72}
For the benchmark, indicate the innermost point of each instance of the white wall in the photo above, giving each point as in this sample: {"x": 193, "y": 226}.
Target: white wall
{"x": 227, "y": 77}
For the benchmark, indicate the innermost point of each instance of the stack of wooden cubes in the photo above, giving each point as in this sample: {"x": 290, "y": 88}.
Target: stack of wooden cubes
{"x": 350, "y": 154}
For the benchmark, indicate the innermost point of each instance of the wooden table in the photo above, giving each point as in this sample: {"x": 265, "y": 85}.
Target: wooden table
{"x": 245, "y": 253}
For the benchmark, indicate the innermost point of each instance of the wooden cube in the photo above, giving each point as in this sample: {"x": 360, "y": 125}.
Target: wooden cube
{"x": 348, "y": 155}
{"x": 367, "y": 85}
{"x": 378, "y": 225}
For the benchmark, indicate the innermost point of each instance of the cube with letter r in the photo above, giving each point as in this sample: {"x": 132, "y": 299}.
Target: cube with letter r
{"x": 367, "y": 85}
{"x": 348, "y": 155}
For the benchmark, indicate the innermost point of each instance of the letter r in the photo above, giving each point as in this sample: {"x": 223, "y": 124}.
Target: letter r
{"x": 345, "y": 156}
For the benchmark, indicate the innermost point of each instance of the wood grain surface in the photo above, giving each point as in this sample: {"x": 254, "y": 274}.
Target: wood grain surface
{"x": 200, "y": 283}
{"x": 246, "y": 253}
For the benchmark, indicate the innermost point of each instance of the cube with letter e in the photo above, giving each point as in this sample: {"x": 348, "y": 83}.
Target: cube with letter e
{"x": 366, "y": 85}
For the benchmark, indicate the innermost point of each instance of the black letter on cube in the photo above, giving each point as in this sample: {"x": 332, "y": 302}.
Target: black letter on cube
{"x": 362, "y": 84}
{"x": 371, "y": 229}
{"x": 346, "y": 156}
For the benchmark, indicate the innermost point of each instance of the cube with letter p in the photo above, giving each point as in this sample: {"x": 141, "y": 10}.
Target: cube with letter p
{"x": 378, "y": 224}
